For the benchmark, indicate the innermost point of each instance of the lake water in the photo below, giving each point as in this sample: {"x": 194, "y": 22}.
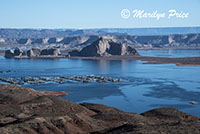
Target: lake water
{"x": 171, "y": 53}
{"x": 145, "y": 86}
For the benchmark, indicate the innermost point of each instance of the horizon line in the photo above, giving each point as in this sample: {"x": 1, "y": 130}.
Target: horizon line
{"x": 101, "y": 28}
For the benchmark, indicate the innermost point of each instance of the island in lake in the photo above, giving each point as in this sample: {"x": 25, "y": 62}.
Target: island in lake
{"x": 101, "y": 48}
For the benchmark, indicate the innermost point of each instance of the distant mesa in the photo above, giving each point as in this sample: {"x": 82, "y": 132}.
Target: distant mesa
{"x": 68, "y": 43}
{"x": 104, "y": 47}
{"x": 33, "y": 52}
{"x": 9, "y": 54}
{"x": 99, "y": 48}
{"x": 51, "y": 51}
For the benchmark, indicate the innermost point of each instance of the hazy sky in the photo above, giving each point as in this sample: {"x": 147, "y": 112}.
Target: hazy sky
{"x": 93, "y": 13}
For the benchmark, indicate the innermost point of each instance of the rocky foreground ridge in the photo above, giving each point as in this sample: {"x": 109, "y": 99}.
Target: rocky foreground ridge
{"x": 98, "y": 48}
{"x": 24, "y": 110}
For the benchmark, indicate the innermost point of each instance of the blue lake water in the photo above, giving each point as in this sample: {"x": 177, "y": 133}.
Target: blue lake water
{"x": 145, "y": 86}
{"x": 171, "y": 53}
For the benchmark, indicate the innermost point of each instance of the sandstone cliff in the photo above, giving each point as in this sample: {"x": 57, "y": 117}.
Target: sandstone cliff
{"x": 180, "y": 41}
{"x": 104, "y": 47}
{"x": 33, "y": 52}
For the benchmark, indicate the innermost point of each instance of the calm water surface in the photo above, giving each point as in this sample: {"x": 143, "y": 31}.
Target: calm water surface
{"x": 145, "y": 86}
{"x": 171, "y": 53}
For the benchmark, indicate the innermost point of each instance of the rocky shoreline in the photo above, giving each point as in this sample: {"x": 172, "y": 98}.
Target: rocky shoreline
{"x": 25, "y": 110}
{"x": 60, "y": 79}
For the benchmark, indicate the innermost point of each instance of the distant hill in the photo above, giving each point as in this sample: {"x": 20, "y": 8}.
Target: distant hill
{"x": 152, "y": 31}
{"x": 174, "y": 41}
{"x": 43, "y": 33}
{"x": 67, "y": 39}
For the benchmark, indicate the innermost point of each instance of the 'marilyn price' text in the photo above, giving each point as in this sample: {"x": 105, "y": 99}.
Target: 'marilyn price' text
{"x": 156, "y": 15}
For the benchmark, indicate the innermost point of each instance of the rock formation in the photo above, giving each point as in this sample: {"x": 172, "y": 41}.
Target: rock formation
{"x": 16, "y": 53}
{"x": 9, "y": 54}
{"x": 51, "y": 51}
{"x": 33, "y": 52}
{"x": 98, "y": 48}
{"x": 27, "y": 111}
{"x": 59, "y": 79}
{"x": 177, "y": 41}
{"x": 104, "y": 47}
{"x": 74, "y": 53}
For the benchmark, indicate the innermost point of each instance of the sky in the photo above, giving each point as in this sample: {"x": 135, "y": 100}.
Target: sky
{"x": 84, "y": 14}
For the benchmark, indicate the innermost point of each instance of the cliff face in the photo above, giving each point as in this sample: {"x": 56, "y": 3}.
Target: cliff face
{"x": 48, "y": 42}
{"x": 33, "y": 52}
{"x": 105, "y": 47}
{"x": 78, "y": 42}
{"x": 27, "y": 111}
{"x": 13, "y": 53}
{"x": 98, "y": 46}
{"x": 51, "y": 51}
{"x": 9, "y": 54}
